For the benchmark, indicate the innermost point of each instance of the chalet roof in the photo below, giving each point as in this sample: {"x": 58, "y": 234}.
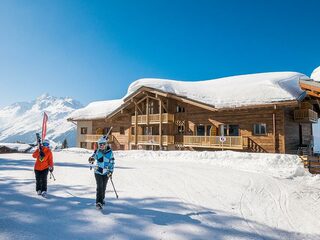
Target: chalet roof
{"x": 221, "y": 93}
{"x": 95, "y": 110}
{"x": 232, "y": 92}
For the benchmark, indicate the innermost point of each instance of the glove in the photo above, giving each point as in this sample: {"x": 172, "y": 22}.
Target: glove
{"x": 51, "y": 169}
{"x": 109, "y": 174}
{"x": 91, "y": 160}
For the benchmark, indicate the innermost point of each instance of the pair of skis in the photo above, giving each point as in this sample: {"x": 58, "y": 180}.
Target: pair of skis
{"x": 43, "y": 135}
{"x": 40, "y": 139}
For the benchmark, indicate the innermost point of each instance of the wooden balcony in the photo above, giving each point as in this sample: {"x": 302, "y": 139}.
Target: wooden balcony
{"x": 305, "y": 115}
{"x": 153, "y": 139}
{"x": 153, "y": 118}
{"x": 231, "y": 142}
{"x": 93, "y": 138}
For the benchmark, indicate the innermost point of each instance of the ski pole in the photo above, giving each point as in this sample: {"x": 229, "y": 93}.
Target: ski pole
{"x": 51, "y": 174}
{"x": 114, "y": 189}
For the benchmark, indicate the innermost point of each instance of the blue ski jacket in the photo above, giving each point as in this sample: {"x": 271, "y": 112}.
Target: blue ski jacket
{"x": 104, "y": 161}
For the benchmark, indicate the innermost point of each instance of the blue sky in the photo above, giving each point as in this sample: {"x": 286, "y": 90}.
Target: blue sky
{"x": 92, "y": 50}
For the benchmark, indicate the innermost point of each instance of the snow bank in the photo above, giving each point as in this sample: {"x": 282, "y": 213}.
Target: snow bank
{"x": 280, "y": 165}
{"x": 76, "y": 150}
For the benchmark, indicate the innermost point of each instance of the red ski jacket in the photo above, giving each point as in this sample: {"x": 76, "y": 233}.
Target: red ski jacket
{"x": 45, "y": 162}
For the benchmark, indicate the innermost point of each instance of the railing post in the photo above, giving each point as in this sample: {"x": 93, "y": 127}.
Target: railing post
{"x": 160, "y": 124}
{"x": 136, "y": 126}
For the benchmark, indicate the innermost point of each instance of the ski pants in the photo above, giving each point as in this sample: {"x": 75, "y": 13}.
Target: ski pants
{"x": 41, "y": 180}
{"x": 101, "y": 181}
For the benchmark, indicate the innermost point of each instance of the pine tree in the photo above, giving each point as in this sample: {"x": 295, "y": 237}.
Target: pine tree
{"x": 64, "y": 144}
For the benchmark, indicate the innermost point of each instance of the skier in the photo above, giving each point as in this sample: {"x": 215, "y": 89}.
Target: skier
{"x": 43, "y": 164}
{"x": 103, "y": 169}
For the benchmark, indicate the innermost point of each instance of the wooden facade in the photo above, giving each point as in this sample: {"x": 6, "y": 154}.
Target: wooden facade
{"x": 151, "y": 119}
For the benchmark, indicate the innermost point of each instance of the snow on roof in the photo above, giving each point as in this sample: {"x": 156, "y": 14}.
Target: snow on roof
{"x": 235, "y": 91}
{"x": 315, "y": 75}
{"x": 96, "y": 110}
{"x": 20, "y": 147}
{"x": 228, "y": 92}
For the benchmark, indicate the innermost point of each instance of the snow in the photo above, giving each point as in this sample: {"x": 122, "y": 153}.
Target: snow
{"x": 230, "y": 92}
{"x": 315, "y": 75}
{"x": 96, "y": 110}
{"x": 163, "y": 195}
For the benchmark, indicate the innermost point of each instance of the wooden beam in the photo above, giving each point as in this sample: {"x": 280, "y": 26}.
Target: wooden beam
{"x": 136, "y": 105}
{"x": 309, "y": 87}
{"x": 147, "y": 109}
{"x": 136, "y": 126}
{"x": 313, "y": 94}
{"x": 160, "y": 123}
{"x": 142, "y": 99}
{"x": 165, "y": 108}
{"x": 215, "y": 122}
{"x": 274, "y": 128}
{"x": 155, "y": 98}
{"x": 195, "y": 103}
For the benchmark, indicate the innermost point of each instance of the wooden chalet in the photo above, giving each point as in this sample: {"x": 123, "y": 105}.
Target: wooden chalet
{"x": 151, "y": 118}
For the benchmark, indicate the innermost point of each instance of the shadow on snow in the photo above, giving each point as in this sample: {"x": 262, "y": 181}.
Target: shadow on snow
{"x": 26, "y": 215}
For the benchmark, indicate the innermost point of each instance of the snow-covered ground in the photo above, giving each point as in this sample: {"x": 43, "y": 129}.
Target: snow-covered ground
{"x": 163, "y": 195}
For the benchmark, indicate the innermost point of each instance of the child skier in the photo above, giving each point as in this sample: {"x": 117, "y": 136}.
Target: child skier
{"x": 103, "y": 169}
{"x": 43, "y": 164}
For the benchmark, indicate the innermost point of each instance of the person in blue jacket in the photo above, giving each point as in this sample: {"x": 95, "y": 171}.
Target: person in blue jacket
{"x": 103, "y": 169}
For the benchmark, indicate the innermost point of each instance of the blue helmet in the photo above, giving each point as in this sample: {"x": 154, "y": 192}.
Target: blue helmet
{"x": 46, "y": 143}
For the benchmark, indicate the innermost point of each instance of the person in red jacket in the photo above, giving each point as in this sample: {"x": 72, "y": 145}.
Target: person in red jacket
{"x": 43, "y": 164}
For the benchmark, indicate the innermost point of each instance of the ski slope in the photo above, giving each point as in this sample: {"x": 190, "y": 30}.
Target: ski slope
{"x": 163, "y": 195}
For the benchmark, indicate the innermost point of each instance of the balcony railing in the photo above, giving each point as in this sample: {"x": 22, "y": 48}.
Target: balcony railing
{"x": 231, "y": 142}
{"x": 153, "y": 139}
{"x": 153, "y": 118}
{"x": 305, "y": 115}
{"x": 93, "y": 138}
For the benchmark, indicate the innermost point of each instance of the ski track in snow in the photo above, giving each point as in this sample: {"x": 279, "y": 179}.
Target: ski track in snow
{"x": 158, "y": 199}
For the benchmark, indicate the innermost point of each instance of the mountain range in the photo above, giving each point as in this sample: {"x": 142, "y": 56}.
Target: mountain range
{"x": 20, "y": 121}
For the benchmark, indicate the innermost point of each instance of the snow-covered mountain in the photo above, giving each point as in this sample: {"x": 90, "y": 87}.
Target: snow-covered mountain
{"x": 20, "y": 121}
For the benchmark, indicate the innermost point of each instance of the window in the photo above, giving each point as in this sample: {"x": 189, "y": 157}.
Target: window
{"x": 200, "y": 130}
{"x": 83, "y": 145}
{"x": 148, "y": 130}
{"x": 233, "y": 130}
{"x": 151, "y": 107}
{"x": 229, "y": 130}
{"x": 122, "y": 130}
{"x": 132, "y": 131}
{"x": 84, "y": 130}
{"x": 180, "y": 109}
{"x": 260, "y": 129}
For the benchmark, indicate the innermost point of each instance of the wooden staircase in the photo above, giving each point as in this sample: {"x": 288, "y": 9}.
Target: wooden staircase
{"x": 312, "y": 163}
